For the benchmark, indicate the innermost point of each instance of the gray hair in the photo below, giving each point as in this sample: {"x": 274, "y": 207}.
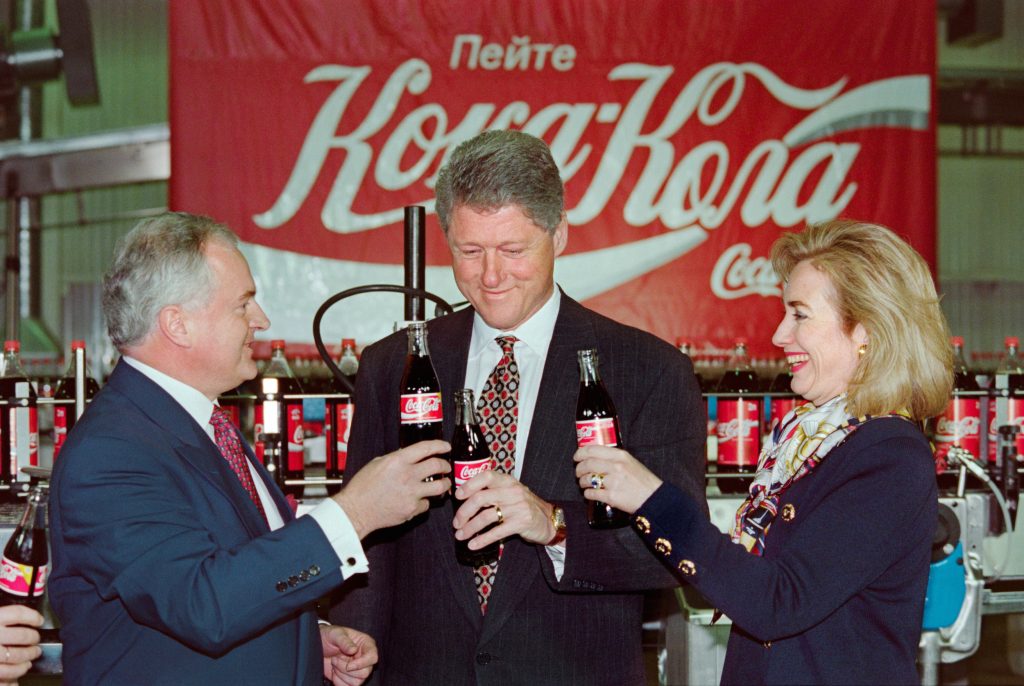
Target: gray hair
{"x": 496, "y": 169}
{"x": 160, "y": 262}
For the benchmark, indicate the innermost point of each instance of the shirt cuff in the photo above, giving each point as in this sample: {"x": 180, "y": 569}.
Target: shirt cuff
{"x": 342, "y": 536}
{"x": 557, "y": 555}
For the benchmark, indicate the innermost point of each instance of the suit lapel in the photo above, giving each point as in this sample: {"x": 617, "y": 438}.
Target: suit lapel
{"x": 547, "y": 466}
{"x": 188, "y": 440}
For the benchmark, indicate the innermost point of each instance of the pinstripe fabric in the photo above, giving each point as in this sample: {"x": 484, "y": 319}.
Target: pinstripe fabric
{"x": 583, "y": 629}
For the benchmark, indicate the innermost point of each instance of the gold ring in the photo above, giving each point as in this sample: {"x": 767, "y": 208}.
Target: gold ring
{"x": 597, "y": 481}
{"x": 497, "y": 511}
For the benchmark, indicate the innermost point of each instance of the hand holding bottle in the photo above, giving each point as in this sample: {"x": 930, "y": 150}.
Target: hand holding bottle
{"x": 614, "y": 477}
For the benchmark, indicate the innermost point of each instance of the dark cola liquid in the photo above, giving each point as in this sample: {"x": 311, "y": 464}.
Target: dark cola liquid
{"x": 469, "y": 457}
{"x": 64, "y": 415}
{"x": 739, "y": 430}
{"x": 420, "y": 408}
{"x": 23, "y": 571}
{"x": 597, "y": 424}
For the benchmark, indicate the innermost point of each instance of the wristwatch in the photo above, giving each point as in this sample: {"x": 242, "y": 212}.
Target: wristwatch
{"x": 558, "y": 521}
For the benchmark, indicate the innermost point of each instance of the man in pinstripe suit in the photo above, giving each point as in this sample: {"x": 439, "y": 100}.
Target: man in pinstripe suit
{"x": 567, "y": 599}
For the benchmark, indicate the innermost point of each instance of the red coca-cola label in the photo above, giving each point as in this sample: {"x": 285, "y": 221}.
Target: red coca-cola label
{"x": 464, "y": 471}
{"x": 1014, "y": 415}
{"x": 739, "y": 431}
{"x": 596, "y": 432}
{"x": 960, "y": 426}
{"x": 779, "y": 408}
{"x": 60, "y": 428}
{"x": 341, "y": 428}
{"x": 257, "y": 429}
{"x": 421, "y": 408}
{"x": 16, "y": 577}
{"x": 296, "y": 455}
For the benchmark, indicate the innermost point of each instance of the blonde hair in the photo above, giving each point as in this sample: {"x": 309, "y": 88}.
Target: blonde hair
{"x": 883, "y": 284}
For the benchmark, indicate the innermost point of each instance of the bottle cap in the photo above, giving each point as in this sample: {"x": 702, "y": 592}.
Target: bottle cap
{"x": 277, "y": 344}
{"x": 10, "y": 346}
{"x": 957, "y": 340}
{"x": 78, "y": 345}
{"x": 1012, "y": 340}
{"x": 348, "y": 342}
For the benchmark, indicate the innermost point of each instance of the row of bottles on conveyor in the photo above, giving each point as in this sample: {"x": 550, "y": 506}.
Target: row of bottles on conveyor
{"x": 20, "y": 415}
{"x": 743, "y": 406}
{"x": 293, "y": 404}
{"x": 978, "y": 412}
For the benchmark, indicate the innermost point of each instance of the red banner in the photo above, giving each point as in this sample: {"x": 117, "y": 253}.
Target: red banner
{"x": 689, "y": 134}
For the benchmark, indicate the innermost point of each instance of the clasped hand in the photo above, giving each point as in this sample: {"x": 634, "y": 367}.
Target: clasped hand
{"x": 490, "y": 493}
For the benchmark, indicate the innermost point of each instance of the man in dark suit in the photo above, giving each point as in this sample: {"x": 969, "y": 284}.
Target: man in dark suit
{"x": 564, "y": 603}
{"x": 176, "y": 559}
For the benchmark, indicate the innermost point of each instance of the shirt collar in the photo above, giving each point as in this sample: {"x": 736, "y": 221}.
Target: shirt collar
{"x": 535, "y": 332}
{"x": 195, "y": 403}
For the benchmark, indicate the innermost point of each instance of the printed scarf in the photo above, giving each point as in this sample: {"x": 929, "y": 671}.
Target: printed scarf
{"x": 797, "y": 445}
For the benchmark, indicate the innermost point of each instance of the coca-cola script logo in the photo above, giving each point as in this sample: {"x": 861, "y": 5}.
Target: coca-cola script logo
{"x": 464, "y": 471}
{"x": 421, "y": 407}
{"x": 947, "y": 428}
{"x": 596, "y": 432}
{"x": 681, "y": 166}
{"x": 738, "y": 428}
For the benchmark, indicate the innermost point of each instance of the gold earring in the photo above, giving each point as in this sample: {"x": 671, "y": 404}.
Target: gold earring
{"x": 862, "y": 349}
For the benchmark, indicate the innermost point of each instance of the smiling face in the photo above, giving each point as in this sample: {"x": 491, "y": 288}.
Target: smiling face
{"x": 821, "y": 354}
{"x": 223, "y": 329}
{"x": 503, "y": 263}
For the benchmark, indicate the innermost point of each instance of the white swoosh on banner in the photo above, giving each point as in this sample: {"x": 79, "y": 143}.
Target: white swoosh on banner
{"x": 291, "y": 286}
{"x": 901, "y": 102}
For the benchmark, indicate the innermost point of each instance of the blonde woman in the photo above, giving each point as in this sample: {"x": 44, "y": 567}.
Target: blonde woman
{"x": 827, "y": 582}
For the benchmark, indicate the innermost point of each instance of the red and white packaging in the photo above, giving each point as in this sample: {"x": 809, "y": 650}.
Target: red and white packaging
{"x": 596, "y": 432}
{"x": 739, "y": 431}
{"x": 421, "y": 408}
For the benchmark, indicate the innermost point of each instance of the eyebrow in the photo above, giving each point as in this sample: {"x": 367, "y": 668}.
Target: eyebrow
{"x": 796, "y": 303}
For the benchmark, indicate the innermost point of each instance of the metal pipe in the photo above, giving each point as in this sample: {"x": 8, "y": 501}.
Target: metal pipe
{"x": 415, "y": 261}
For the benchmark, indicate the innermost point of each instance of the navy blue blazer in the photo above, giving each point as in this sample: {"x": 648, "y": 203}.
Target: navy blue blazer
{"x": 421, "y": 605}
{"x": 838, "y": 597}
{"x": 164, "y": 572}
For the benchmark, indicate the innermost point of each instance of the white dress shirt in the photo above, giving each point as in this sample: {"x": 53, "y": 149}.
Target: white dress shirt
{"x": 531, "y": 350}
{"x": 328, "y": 514}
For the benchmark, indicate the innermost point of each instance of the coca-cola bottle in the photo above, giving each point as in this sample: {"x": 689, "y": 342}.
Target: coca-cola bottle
{"x": 24, "y": 566}
{"x": 597, "y": 424}
{"x": 420, "y": 404}
{"x": 338, "y": 416}
{"x": 739, "y": 421}
{"x": 960, "y": 424}
{"x": 19, "y": 420}
{"x": 1008, "y": 385}
{"x": 686, "y": 348}
{"x": 782, "y": 400}
{"x": 469, "y": 457}
{"x": 348, "y": 363}
{"x": 64, "y": 413}
{"x": 290, "y": 435}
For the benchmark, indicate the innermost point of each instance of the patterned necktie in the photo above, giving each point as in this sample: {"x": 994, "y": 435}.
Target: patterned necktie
{"x": 231, "y": 448}
{"x": 498, "y": 408}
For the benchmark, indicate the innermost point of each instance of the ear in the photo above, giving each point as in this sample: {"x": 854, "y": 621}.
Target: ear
{"x": 561, "y": 236}
{"x": 860, "y": 335}
{"x": 173, "y": 323}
